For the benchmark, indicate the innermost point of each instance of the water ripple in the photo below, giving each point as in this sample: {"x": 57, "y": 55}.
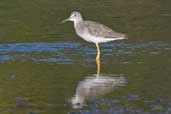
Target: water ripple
{"x": 71, "y": 52}
{"x": 36, "y": 47}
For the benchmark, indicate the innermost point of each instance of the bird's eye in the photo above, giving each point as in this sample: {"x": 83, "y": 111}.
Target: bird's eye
{"x": 74, "y": 15}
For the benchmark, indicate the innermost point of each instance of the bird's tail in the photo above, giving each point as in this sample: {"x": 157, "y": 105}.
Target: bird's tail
{"x": 121, "y": 38}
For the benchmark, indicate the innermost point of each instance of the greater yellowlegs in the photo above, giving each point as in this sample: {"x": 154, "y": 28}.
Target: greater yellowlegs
{"x": 93, "y": 32}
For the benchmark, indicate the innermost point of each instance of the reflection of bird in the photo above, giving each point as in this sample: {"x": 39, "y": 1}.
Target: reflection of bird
{"x": 95, "y": 86}
{"x": 93, "y": 32}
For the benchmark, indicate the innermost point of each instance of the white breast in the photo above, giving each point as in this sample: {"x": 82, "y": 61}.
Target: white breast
{"x": 83, "y": 32}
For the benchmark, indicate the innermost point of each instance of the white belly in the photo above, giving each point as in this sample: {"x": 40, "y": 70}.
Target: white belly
{"x": 87, "y": 37}
{"x": 93, "y": 39}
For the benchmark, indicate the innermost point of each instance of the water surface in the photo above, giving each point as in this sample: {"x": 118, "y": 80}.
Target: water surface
{"x": 40, "y": 20}
{"x": 43, "y": 77}
{"x": 46, "y": 69}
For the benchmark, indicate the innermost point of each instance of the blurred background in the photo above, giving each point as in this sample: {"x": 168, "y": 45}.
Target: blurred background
{"x": 45, "y": 68}
{"x": 40, "y": 20}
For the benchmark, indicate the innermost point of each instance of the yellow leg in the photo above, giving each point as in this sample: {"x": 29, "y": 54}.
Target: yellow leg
{"x": 98, "y": 66}
{"x": 98, "y": 52}
{"x": 98, "y": 59}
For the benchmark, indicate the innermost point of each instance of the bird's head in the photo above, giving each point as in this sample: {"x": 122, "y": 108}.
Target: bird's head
{"x": 75, "y": 17}
{"x": 77, "y": 102}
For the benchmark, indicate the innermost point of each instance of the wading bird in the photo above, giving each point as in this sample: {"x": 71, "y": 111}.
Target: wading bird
{"x": 93, "y": 32}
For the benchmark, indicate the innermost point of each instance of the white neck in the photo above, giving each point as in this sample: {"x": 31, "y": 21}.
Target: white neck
{"x": 78, "y": 20}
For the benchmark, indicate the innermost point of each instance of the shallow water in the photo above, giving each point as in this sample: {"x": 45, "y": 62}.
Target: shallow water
{"x": 40, "y": 20}
{"x": 43, "y": 77}
{"x": 46, "y": 69}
